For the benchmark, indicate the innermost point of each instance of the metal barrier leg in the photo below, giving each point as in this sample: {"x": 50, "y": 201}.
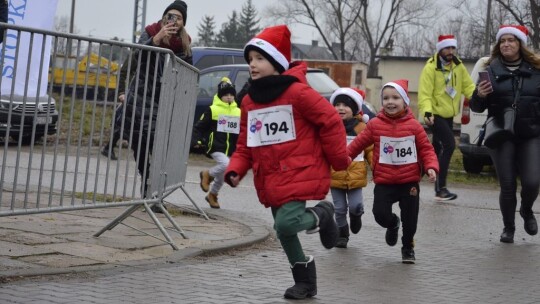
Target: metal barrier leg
{"x": 130, "y": 210}
{"x": 194, "y": 204}
{"x": 159, "y": 225}
{"x": 117, "y": 220}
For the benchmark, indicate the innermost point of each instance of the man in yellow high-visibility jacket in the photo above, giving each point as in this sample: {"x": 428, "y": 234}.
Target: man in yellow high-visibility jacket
{"x": 443, "y": 81}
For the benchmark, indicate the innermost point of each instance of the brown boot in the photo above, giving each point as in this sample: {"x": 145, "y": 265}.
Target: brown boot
{"x": 206, "y": 179}
{"x": 211, "y": 198}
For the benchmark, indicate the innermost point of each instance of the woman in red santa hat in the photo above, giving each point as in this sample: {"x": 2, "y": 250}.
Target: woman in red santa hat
{"x": 514, "y": 78}
{"x": 289, "y": 137}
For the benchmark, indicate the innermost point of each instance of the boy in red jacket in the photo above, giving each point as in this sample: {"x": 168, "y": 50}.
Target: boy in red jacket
{"x": 289, "y": 137}
{"x": 401, "y": 153}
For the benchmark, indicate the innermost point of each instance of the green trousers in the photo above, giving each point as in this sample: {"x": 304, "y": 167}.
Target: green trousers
{"x": 289, "y": 219}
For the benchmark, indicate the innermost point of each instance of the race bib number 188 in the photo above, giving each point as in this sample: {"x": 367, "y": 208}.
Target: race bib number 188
{"x": 270, "y": 126}
{"x": 228, "y": 124}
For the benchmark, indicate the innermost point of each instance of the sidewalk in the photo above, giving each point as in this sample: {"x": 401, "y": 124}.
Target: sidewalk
{"x": 56, "y": 243}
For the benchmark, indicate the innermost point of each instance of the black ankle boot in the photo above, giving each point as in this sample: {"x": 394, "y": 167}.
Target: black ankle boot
{"x": 343, "y": 238}
{"x": 530, "y": 225}
{"x": 356, "y": 222}
{"x": 326, "y": 225}
{"x": 305, "y": 280}
{"x": 507, "y": 235}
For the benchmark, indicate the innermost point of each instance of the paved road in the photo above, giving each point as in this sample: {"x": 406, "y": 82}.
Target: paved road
{"x": 459, "y": 260}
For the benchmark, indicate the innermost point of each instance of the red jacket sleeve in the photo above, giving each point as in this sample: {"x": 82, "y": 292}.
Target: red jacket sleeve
{"x": 241, "y": 160}
{"x": 317, "y": 110}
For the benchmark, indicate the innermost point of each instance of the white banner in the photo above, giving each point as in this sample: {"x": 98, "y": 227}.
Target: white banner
{"x": 31, "y": 13}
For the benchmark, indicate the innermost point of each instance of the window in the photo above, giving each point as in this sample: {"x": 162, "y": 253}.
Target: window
{"x": 208, "y": 83}
{"x": 209, "y": 61}
{"x": 358, "y": 77}
{"x": 241, "y": 79}
{"x": 233, "y": 59}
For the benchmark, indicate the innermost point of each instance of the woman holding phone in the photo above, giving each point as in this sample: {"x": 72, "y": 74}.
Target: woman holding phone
{"x": 145, "y": 85}
{"x": 512, "y": 80}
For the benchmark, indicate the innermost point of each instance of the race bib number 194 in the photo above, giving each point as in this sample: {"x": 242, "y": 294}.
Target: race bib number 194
{"x": 270, "y": 126}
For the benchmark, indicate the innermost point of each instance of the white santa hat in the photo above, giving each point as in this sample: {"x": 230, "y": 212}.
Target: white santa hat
{"x": 446, "y": 41}
{"x": 402, "y": 86}
{"x": 357, "y": 97}
{"x": 519, "y": 31}
{"x": 274, "y": 43}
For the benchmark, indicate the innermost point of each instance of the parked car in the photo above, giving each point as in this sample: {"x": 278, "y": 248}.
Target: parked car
{"x": 475, "y": 156}
{"x": 205, "y": 57}
{"x": 239, "y": 74}
{"x": 40, "y": 113}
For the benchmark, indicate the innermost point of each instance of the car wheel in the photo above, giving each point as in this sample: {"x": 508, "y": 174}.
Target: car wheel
{"x": 472, "y": 165}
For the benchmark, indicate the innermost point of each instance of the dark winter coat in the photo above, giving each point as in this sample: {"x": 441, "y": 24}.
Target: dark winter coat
{"x": 405, "y": 125}
{"x": 297, "y": 169}
{"x": 147, "y": 82}
{"x": 505, "y": 84}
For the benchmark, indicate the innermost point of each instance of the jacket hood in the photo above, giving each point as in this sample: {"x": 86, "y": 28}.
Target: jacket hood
{"x": 220, "y": 103}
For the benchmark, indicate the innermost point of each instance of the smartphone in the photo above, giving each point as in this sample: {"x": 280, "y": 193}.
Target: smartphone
{"x": 171, "y": 18}
{"x": 484, "y": 75}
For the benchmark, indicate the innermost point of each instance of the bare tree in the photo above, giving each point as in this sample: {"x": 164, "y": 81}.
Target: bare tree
{"x": 525, "y": 12}
{"x": 379, "y": 31}
{"x": 354, "y": 24}
{"x": 334, "y": 20}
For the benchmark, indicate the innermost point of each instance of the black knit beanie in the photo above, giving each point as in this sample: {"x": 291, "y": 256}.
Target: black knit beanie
{"x": 225, "y": 87}
{"x": 179, "y": 5}
{"x": 348, "y": 101}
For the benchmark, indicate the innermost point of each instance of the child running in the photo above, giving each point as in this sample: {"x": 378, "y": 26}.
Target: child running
{"x": 346, "y": 186}
{"x": 402, "y": 152}
{"x": 289, "y": 137}
{"x": 218, "y": 127}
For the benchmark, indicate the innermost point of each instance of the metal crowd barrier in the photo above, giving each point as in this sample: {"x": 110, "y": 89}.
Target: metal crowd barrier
{"x": 51, "y": 156}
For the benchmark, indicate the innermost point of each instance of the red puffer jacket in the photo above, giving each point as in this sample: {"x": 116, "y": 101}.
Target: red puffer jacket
{"x": 405, "y": 125}
{"x": 297, "y": 169}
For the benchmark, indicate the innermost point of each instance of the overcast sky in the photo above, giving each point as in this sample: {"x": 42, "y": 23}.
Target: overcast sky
{"x": 110, "y": 18}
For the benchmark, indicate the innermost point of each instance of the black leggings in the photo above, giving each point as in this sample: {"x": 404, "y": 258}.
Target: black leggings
{"x": 513, "y": 159}
{"x": 408, "y": 197}
{"x": 444, "y": 145}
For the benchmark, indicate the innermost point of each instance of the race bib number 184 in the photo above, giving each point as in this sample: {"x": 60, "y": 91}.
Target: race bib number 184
{"x": 270, "y": 126}
{"x": 397, "y": 151}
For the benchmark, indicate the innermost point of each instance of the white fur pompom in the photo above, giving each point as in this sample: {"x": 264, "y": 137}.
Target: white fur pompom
{"x": 365, "y": 118}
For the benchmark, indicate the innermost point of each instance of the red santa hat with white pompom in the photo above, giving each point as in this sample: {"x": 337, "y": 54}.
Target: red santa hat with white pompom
{"x": 446, "y": 41}
{"x": 353, "y": 98}
{"x": 519, "y": 31}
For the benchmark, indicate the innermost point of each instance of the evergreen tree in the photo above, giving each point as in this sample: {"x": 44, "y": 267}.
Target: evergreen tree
{"x": 230, "y": 36}
{"x": 207, "y": 36}
{"x": 248, "y": 22}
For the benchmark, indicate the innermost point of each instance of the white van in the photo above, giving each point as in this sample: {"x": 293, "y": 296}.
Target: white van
{"x": 474, "y": 156}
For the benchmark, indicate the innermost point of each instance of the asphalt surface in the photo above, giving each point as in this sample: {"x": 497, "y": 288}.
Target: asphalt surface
{"x": 459, "y": 257}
